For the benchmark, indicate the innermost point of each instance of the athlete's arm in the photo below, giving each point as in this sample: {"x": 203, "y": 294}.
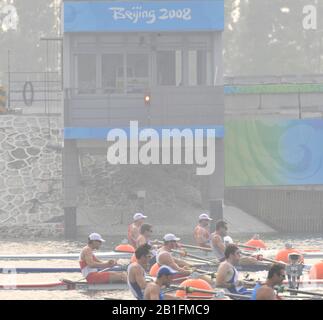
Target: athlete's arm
{"x": 154, "y": 293}
{"x": 217, "y": 242}
{"x": 221, "y": 277}
{"x": 202, "y": 238}
{"x": 168, "y": 260}
{"x": 140, "y": 279}
{"x": 94, "y": 262}
{"x": 140, "y": 241}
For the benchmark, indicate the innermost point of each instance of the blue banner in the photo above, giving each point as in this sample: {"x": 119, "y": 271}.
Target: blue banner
{"x": 118, "y": 16}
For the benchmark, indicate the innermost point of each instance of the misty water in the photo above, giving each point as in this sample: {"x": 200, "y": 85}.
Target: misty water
{"x": 50, "y": 247}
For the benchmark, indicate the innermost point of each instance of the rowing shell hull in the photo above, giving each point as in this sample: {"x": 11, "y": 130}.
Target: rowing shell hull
{"x": 19, "y": 270}
{"x": 64, "y": 286}
{"x": 49, "y": 270}
{"x": 66, "y": 256}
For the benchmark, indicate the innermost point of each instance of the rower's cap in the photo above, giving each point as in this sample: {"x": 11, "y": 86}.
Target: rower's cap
{"x": 95, "y": 237}
{"x": 204, "y": 216}
{"x": 165, "y": 271}
{"x": 170, "y": 237}
{"x": 227, "y": 239}
{"x": 138, "y": 216}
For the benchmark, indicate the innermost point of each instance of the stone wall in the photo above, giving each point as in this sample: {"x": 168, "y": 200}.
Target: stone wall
{"x": 109, "y": 195}
{"x": 30, "y": 169}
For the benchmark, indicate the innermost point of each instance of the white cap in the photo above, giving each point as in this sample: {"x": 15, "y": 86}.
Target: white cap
{"x": 95, "y": 237}
{"x": 138, "y": 216}
{"x": 170, "y": 237}
{"x": 204, "y": 216}
{"x": 227, "y": 239}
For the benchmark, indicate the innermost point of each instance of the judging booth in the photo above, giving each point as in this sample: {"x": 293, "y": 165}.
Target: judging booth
{"x": 158, "y": 63}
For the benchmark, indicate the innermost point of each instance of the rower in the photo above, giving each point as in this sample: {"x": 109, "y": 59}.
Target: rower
{"x": 146, "y": 231}
{"x": 164, "y": 278}
{"x": 202, "y": 231}
{"x": 137, "y": 271}
{"x": 90, "y": 264}
{"x": 227, "y": 275}
{"x": 134, "y": 228}
{"x": 276, "y": 275}
{"x": 217, "y": 240}
{"x": 164, "y": 256}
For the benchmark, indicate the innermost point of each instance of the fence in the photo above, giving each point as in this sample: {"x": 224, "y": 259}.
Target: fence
{"x": 284, "y": 210}
{"x": 35, "y": 92}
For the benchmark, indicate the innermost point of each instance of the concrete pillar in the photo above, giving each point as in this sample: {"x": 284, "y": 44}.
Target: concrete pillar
{"x": 70, "y": 225}
{"x": 216, "y": 212}
{"x": 71, "y": 179}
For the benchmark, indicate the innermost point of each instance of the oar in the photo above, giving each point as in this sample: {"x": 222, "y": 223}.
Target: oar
{"x": 210, "y": 249}
{"x": 189, "y": 246}
{"x": 261, "y": 258}
{"x": 194, "y": 256}
{"x": 247, "y": 247}
{"x": 195, "y": 247}
{"x": 301, "y": 291}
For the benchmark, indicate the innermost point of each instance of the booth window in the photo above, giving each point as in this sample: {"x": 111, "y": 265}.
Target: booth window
{"x": 199, "y": 68}
{"x": 112, "y": 73}
{"x": 169, "y": 68}
{"x": 137, "y": 72}
{"x": 86, "y": 73}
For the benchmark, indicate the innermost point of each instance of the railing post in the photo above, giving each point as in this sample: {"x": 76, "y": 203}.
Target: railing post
{"x": 299, "y": 105}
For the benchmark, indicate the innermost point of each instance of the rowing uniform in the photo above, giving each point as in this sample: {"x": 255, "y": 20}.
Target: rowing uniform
{"x": 233, "y": 280}
{"x": 255, "y": 290}
{"x": 134, "y": 287}
{"x": 202, "y": 236}
{"x": 92, "y": 275}
{"x": 161, "y": 296}
{"x": 218, "y": 253}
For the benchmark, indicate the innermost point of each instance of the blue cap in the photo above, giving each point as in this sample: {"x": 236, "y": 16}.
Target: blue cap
{"x": 165, "y": 271}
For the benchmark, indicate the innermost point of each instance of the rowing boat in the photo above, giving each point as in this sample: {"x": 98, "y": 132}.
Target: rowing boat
{"x": 82, "y": 285}
{"x": 66, "y": 256}
{"x": 19, "y": 270}
{"x": 22, "y": 270}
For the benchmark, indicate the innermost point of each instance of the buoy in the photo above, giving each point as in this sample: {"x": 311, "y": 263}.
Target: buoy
{"x": 154, "y": 270}
{"x": 316, "y": 271}
{"x": 282, "y": 255}
{"x": 133, "y": 259}
{"x": 195, "y": 283}
{"x": 258, "y": 243}
{"x": 125, "y": 248}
